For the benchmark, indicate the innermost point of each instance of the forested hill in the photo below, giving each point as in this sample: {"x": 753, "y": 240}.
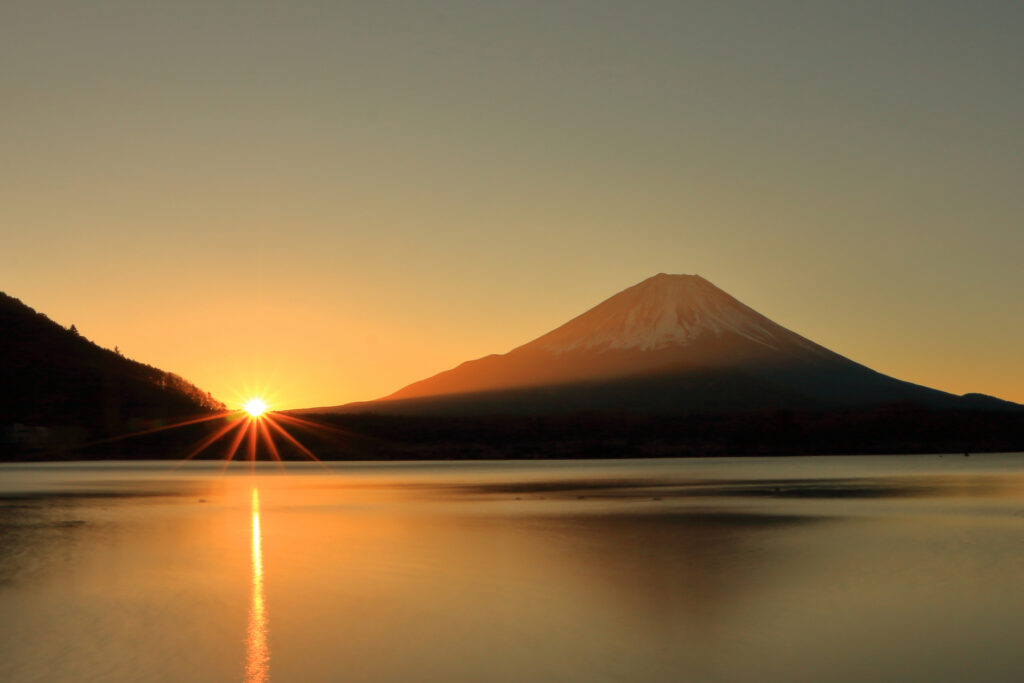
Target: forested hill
{"x": 54, "y": 379}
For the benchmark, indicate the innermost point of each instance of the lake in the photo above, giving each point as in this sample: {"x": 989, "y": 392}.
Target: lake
{"x": 768, "y": 569}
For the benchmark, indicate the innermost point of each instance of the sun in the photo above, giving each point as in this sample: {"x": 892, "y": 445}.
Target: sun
{"x": 255, "y": 407}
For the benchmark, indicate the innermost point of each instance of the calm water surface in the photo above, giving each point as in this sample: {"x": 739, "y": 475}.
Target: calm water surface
{"x": 774, "y": 569}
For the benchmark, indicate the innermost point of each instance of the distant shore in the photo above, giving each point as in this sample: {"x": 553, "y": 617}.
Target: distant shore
{"x": 579, "y": 436}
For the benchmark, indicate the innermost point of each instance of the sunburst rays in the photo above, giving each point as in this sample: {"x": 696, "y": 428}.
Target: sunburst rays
{"x": 253, "y": 432}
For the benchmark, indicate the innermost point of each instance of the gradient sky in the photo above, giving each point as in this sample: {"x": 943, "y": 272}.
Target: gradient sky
{"x": 329, "y": 200}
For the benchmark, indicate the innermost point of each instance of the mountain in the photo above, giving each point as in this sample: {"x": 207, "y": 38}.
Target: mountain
{"x": 57, "y": 386}
{"x": 671, "y": 344}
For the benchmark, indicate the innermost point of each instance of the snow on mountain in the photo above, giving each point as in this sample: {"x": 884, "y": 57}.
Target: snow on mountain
{"x": 664, "y": 311}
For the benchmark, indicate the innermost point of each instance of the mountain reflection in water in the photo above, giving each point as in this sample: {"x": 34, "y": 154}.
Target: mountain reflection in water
{"x": 770, "y": 569}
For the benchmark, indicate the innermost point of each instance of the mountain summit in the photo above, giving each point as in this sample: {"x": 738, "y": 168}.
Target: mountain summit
{"x": 670, "y": 344}
{"x": 662, "y": 311}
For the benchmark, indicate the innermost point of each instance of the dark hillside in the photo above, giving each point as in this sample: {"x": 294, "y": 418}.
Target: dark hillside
{"x": 55, "y": 382}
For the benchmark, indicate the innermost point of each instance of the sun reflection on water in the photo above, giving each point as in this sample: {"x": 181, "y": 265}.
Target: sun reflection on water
{"x": 257, "y": 665}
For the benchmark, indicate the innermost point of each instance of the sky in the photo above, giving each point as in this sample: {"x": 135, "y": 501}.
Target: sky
{"x": 325, "y": 201}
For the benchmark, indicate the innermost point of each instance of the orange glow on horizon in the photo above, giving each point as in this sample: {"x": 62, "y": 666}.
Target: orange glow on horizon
{"x": 255, "y": 424}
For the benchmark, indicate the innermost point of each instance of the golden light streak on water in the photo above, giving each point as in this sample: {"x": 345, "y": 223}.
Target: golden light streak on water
{"x": 257, "y": 664}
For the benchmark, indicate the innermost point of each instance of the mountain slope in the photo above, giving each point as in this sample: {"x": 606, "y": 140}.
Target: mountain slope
{"x": 51, "y": 376}
{"x": 670, "y": 344}
{"x": 667, "y": 324}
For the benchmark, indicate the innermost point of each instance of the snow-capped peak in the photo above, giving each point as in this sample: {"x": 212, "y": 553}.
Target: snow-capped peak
{"x": 662, "y": 311}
